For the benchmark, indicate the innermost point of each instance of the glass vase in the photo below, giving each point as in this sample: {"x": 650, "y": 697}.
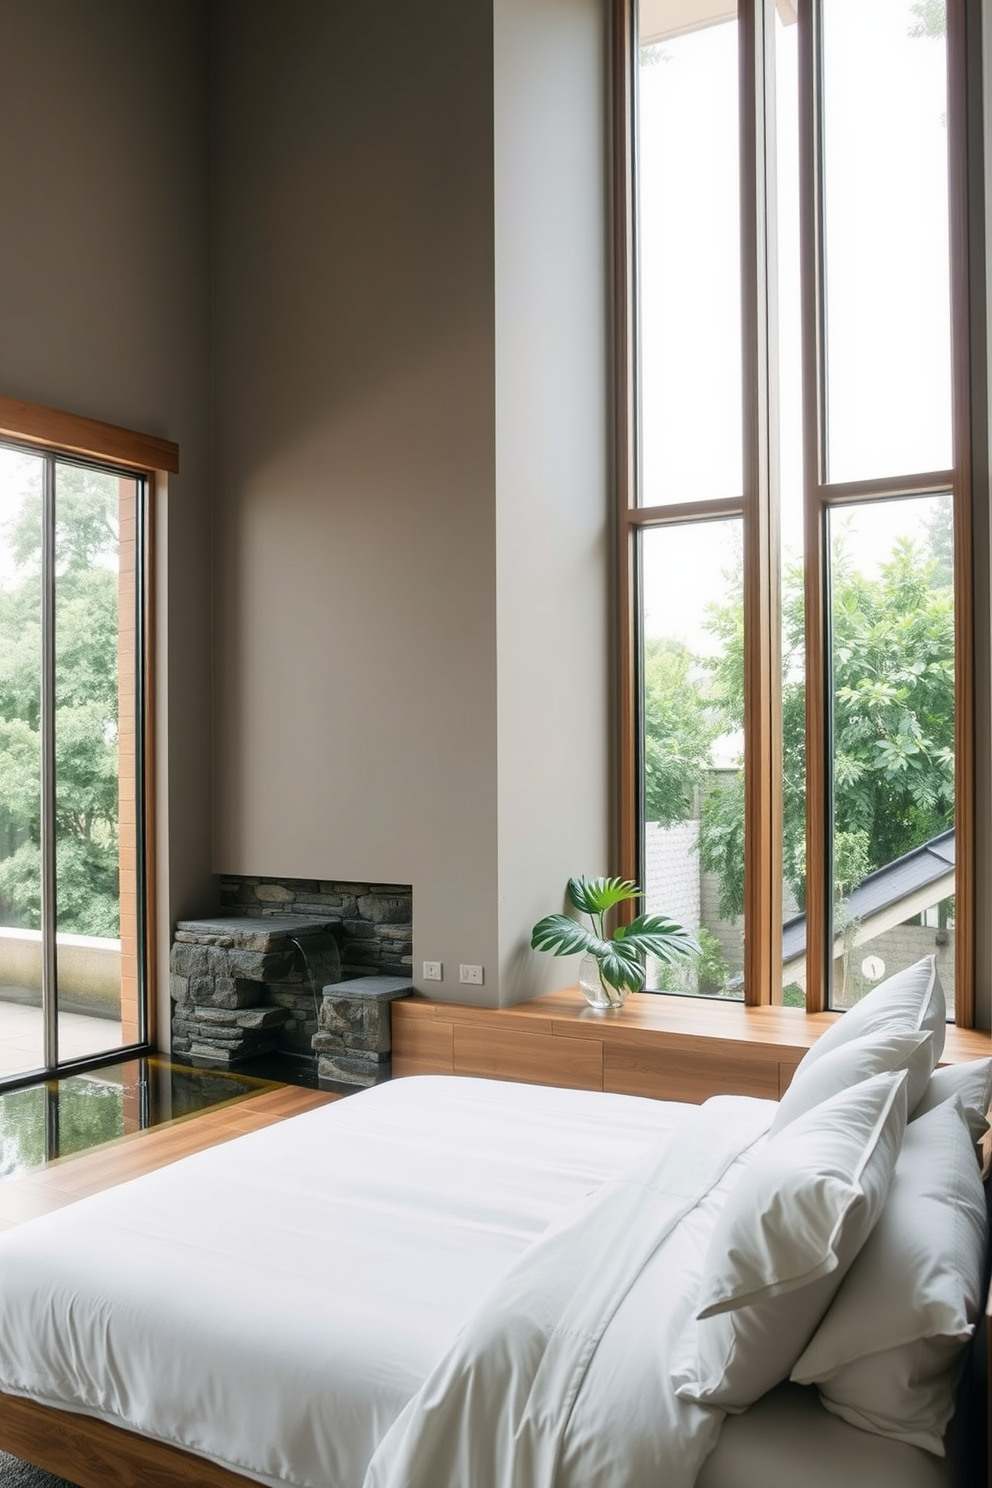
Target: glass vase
{"x": 598, "y": 994}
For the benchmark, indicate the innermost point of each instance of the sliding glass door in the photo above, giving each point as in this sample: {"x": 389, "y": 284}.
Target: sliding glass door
{"x": 71, "y": 766}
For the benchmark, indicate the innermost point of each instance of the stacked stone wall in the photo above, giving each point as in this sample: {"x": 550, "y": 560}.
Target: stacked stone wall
{"x": 373, "y": 923}
{"x": 251, "y": 981}
{"x": 245, "y": 985}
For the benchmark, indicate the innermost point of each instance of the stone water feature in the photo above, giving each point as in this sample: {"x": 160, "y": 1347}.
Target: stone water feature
{"x": 354, "y": 1041}
{"x": 296, "y": 966}
{"x": 244, "y": 985}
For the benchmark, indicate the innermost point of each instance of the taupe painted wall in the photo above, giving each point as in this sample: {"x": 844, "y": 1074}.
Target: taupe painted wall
{"x": 103, "y": 294}
{"x": 554, "y": 554}
{"x": 411, "y": 458}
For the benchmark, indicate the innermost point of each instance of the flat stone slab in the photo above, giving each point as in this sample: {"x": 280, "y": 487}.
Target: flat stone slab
{"x": 373, "y": 988}
{"x": 345, "y": 1069}
{"x": 251, "y": 932}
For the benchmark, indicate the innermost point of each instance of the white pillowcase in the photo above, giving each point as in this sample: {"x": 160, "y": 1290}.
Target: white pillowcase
{"x": 885, "y": 1356}
{"x": 971, "y": 1082}
{"x": 911, "y": 1001}
{"x": 856, "y": 1060}
{"x": 787, "y": 1234}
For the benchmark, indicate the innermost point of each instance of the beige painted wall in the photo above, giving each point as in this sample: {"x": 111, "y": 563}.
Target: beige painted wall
{"x": 353, "y": 394}
{"x": 401, "y": 429}
{"x": 103, "y": 307}
{"x": 554, "y": 553}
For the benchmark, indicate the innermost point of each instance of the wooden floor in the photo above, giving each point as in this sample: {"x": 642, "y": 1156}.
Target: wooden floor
{"x": 70, "y": 1178}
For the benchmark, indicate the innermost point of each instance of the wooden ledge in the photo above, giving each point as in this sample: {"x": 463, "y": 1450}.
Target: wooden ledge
{"x": 675, "y": 1048}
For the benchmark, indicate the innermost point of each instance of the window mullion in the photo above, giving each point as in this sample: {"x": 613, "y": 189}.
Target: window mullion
{"x": 819, "y": 808}
{"x": 960, "y": 90}
{"x": 143, "y": 958}
{"x": 624, "y": 222}
{"x": 762, "y": 652}
{"x": 49, "y": 904}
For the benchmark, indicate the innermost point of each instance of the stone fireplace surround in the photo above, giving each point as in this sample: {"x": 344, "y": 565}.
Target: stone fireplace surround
{"x": 251, "y": 980}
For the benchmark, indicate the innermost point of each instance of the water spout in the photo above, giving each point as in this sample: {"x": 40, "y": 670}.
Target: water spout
{"x": 321, "y": 964}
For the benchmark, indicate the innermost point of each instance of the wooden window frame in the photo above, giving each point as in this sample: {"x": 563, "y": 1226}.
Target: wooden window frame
{"x": 758, "y": 506}
{"x": 144, "y": 463}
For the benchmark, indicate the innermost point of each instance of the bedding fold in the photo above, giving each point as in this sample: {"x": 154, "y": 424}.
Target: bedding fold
{"x": 497, "y": 1406}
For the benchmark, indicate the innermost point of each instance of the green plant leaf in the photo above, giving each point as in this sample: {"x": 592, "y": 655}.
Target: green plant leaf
{"x": 620, "y": 967}
{"x": 594, "y": 896}
{"x": 654, "y": 935}
{"x": 561, "y": 935}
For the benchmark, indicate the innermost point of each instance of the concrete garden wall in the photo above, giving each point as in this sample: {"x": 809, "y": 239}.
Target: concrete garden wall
{"x": 89, "y": 971}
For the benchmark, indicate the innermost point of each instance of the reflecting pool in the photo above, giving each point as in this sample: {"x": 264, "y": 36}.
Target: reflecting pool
{"x": 57, "y": 1117}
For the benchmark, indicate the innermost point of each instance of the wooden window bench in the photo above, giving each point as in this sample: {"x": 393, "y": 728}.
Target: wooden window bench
{"x": 672, "y": 1048}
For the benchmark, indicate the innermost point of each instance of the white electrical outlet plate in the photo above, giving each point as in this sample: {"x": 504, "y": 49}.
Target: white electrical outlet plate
{"x": 432, "y": 971}
{"x": 470, "y": 975}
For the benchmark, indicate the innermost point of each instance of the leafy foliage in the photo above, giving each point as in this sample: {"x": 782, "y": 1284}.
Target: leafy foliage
{"x": 894, "y": 708}
{"x": 931, "y": 19}
{"x": 893, "y": 676}
{"x": 721, "y": 843}
{"x": 86, "y": 753}
{"x": 678, "y": 731}
{"x": 705, "y": 972}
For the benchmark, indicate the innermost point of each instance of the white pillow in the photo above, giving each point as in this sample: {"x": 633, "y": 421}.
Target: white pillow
{"x": 971, "y": 1082}
{"x": 885, "y": 1355}
{"x": 852, "y": 1062}
{"x": 911, "y": 1001}
{"x": 785, "y": 1238}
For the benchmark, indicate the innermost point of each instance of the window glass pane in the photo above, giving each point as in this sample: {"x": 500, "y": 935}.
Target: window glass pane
{"x": 689, "y": 257}
{"x": 886, "y": 238}
{"x": 790, "y": 465}
{"x": 692, "y": 710}
{"x": 892, "y": 653}
{"x": 21, "y": 1039}
{"x": 92, "y": 754}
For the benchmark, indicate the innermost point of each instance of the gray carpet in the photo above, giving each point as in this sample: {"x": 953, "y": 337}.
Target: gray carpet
{"x": 17, "y": 1474}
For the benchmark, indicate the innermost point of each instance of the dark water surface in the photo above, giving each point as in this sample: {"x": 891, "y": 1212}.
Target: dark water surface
{"x": 57, "y": 1117}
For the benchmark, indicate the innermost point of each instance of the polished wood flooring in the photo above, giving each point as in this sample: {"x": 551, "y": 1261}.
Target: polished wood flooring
{"x": 67, "y": 1179}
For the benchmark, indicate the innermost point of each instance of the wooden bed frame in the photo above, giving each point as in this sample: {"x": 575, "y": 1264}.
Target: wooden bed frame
{"x": 96, "y": 1454}
{"x": 89, "y": 1452}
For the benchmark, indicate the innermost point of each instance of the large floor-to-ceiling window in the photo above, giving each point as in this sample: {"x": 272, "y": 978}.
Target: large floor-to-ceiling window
{"x": 73, "y": 823}
{"x": 795, "y": 452}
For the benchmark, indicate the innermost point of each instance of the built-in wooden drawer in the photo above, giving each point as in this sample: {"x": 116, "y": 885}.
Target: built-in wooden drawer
{"x": 670, "y": 1048}
{"x": 512, "y": 1054}
{"x": 635, "y": 1068}
{"x": 422, "y": 1046}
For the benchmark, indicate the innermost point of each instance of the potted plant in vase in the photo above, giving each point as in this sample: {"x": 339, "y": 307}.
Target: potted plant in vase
{"x": 613, "y": 967}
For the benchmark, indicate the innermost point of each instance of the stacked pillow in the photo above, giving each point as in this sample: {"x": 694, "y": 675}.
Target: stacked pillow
{"x": 850, "y": 1063}
{"x": 970, "y": 1084}
{"x": 912, "y": 1001}
{"x": 850, "y": 1253}
{"x": 790, "y": 1229}
{"x": 885, "y": 1355}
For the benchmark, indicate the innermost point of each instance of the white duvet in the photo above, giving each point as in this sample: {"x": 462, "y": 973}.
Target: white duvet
{"x": 274, "y": 1304}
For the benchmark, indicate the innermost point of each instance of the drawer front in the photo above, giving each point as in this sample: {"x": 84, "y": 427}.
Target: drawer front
{"x": 421, "y": 1046}
{"x": 538, "y": 1058}
{"x": 684, "y": 1075}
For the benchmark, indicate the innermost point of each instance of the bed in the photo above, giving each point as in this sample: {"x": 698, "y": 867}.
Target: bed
{"x": 455, "y": 1281}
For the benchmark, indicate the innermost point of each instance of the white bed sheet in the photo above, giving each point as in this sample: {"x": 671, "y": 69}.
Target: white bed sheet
{"x": 580, "y": 1334}
{"x": 306, "y": 1278}
{"x": 787, "y": 1438}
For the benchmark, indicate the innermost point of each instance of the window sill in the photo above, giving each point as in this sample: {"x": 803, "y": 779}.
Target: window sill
{"x": 667, "y": 1047}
